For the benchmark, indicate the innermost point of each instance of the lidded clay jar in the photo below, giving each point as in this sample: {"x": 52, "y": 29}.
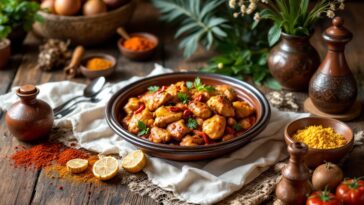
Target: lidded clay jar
{"x": 29, "y": 119}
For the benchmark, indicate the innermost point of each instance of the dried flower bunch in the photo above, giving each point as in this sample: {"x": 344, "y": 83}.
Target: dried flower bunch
{"x": 293, "y": 17}
{"x": 53, "y": 54}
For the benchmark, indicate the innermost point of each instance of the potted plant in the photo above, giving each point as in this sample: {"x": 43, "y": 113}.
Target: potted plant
{"x": 293, "y": 60}
{"x": 20, "y": 16}
{"x": 4, "y": 42}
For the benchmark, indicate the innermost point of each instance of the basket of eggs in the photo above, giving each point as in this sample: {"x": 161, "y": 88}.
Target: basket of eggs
{"x": 85, "y": 22}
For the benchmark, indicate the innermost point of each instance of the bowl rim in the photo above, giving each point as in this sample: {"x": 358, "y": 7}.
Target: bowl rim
{"x": 111, "y": 117}
{"x": 144, "y": 34}
{"x": 348, "y": 142}
{"x": 81, "y": 17}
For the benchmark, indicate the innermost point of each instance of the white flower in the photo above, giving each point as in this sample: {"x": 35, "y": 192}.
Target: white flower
{"x": 252, "y": 6}
{"x": 220, "y": 66}
{"x": 264, "y": 1}
{"x": 235, "y": 14}
{"x": 257, "y": 16}
{"x": 332, "y": 7}
{"x": 232, "y": 4}
{"x": 243, "y": 9}
{"x": 342, "y": 6}
{"x": 341, "y": 1}
{"x": 241, "y": 2}
{"x": 330, "y": 13}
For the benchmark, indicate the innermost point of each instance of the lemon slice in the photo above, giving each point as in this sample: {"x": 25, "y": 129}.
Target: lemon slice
{"x": 105, "y": 168}
{"x": 77, "y": 165}
{"x": 134, "y": 162}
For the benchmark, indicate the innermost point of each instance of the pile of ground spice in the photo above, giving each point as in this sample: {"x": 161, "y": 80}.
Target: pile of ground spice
{"x": 69, "y": 154}
{"x": 138, "y": 43}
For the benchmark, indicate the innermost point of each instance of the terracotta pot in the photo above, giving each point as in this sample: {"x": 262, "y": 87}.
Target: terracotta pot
{"x": 17, "y": 37}
{"x": 5, "y": 52}
{"x": 293, "y": 61}
{"x": 29, "y": 119}
{"x": 333, "y": 88}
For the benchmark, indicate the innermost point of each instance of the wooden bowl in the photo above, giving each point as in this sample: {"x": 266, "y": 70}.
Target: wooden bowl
{"x": 316, "y": 157}
{"x": 91, "y": 74}
{"x": 115, "y": 113}
{"x": 139, "y": 55}
{"x": 85, "y": 30}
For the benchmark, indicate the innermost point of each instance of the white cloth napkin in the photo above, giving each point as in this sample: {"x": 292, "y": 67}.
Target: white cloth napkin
{"x": 202, "y": 182}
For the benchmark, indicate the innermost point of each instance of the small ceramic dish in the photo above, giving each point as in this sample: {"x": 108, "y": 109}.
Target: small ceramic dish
{"x": 115, "y": 114}
{"x": 91, "y": 74}
{"x": 315, "y": 157}
{"x": 139, "y": 55}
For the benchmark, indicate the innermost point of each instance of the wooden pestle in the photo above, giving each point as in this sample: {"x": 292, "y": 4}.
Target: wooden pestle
{"x": 72, "y": 69}
{"x": 122, "y": 33}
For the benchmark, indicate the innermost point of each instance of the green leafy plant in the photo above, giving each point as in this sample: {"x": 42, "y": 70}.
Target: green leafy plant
{"x": 183, "y": 97}
{"x": 199, "y": 24}
{"x": 17, "y": 13}
{"x": 293, "y": 17}
{"x": 199, "y": 85}
{"x": 143, "y": 129}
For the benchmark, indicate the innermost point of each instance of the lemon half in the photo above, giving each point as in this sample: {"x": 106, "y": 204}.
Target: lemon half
{"x": 77, "y": 165}
{"x": 134, "y": 162}
{"x": 105, "y": 168}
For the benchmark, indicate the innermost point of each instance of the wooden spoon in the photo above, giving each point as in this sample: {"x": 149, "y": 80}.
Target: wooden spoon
{"x": 122, "y": 33}
{"x": 72, "y": 69}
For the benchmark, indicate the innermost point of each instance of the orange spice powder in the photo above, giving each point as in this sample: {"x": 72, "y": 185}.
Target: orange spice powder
{"x": 138, "y": 43}
{"x": 98, "y": 64}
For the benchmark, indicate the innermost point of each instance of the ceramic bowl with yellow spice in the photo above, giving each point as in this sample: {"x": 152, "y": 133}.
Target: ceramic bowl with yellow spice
{"x": 97, "y": 65}
{"x": 328, "y": 139}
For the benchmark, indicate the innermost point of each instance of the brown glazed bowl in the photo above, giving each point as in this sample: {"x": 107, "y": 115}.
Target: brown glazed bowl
{"x": 316, "y": 157}
{"x": 115, "y": 113}
{"x": 91, "y": 74}
{"x": 139, "y": 55}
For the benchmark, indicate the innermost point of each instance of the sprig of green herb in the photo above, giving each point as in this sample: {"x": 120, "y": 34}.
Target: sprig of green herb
{"x": 153, "y": 88}
{"x": 143, "y": 129}
{"x": 201, "y": 87}
{"x": 183, "y": 97}
{"x": 189, "y": 84}
{"x": 237, "y": 127}
{"x": 191, "y": 123}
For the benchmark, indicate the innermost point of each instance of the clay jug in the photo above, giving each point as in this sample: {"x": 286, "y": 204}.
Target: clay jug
{"x": 29, "y": 119}
{"x": 293, "y": 61}
{"x": 295, "y": 184}
{"x": 333, "y": 88}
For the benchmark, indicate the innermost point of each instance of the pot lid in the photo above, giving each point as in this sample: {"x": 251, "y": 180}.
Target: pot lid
{"x": 337, "y": 32}
{"x": 28, "y": 89}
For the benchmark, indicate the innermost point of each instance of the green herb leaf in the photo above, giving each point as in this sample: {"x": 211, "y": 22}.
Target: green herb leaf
{"x": 189, "y": 84}
{"x": 237, "y": 127}
{"x": 191, "y": 123}
{"x": 143, "y": 129}
{"x": 183, "y": 97}
{"x": 274, "y": 34}
{"x": 201, "y": 87}
{"x": 153, "y": 88}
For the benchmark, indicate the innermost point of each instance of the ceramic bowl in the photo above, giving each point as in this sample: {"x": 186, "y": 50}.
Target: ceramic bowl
{"x": 315, "y": 157}
{"x": 91, "y": 74}
{"x": 85, "y": 30}
{"x": 115, "y": 113}
{"x": 139, "y": 55}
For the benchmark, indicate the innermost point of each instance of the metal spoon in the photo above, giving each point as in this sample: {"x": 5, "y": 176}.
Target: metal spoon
{"x": 91, "y": 90}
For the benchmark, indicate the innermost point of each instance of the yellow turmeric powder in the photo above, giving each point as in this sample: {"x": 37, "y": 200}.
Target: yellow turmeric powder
{"x": 138, "y": 43}
{"x": 319, "y": 137}
{"x": 98, "y": 64}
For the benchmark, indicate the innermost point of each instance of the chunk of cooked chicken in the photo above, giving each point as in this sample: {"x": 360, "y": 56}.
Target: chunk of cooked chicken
{"x": 231, "y": 121}
{"x": 178, "y": 129}
{"x": 174, "y": 89}
{"x": 164, "y": 116}
{"x": 145, "y": 116}
{"x": 226, "y": 91}
{"x": 245, "y": 123}
{"x": 201, "y": 96}
{"x": 214, "y": 127}
{"x": 221, "y": 105}
{"x": 126, "y": 120}
{"x": 200, "y": 109}
{"x": 242, "y": 109}
{"x": 192, "y": 141}
{"x": 227, "y": 137}
{"x": 159, "y": 135}
{"x": 132, "y": 105}
{"x": 154, "y": 100}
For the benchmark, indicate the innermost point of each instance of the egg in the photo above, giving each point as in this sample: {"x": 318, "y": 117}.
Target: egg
{"x": 94, "y": 7}
{"x": 67, "y": 7}
{"x": 48, "y": 5}
{"x": 114, "y": 4}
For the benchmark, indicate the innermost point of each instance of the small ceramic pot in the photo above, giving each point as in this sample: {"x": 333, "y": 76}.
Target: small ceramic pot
{"x": 293, "y": 61}
{"x": 91, "y": 74}
{"x": 139, "y": 55}
{"x": 29, "y": 119}
{"x": 5, "y": 52}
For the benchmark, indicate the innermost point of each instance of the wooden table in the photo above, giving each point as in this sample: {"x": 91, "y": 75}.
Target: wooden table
{"x": 19, "y": 186}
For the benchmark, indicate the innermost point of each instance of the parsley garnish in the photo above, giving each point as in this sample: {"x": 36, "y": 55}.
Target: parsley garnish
{"x": 191, "y": 123}
{"x": 201, "y": 87}
{"x": 183, "y": 97}
{"x": 237, "y": 127}
{"x": 143, "y": 129}
{"x": 189, "y": 84}
{"x": 153, "y": 88}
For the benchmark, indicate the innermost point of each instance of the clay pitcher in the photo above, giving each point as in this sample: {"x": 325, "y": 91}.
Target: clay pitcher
{"x": 29, "y": 119}
{"x": 294, "y": 185}
{"x": 333, "y": 88}
{"x": 293, "y": 61}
